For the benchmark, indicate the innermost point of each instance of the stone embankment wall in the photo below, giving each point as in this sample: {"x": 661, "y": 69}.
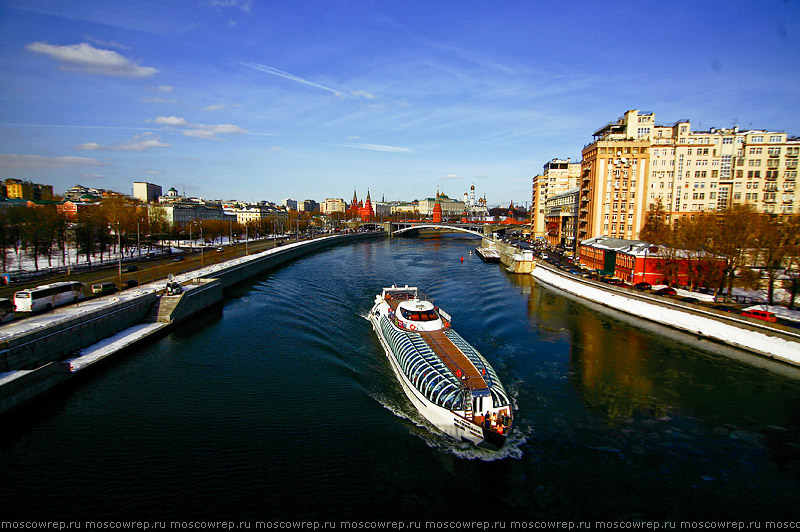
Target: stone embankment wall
{"x": 774, "y": 342}
{"x": 39, "y": 345}
{"x": 513, "y": 258}
{"x": 32, "y": 383}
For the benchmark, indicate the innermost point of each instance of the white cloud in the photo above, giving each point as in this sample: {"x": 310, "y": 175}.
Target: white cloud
{"x": 276, "y": 148}
{"x": 354, "y": 137}
{"x": 224, "y": 129}
{"x": 16, "y": 161}
{"x": 210, "y": 131}
{"x": 200, "y": 131}
{"x": 363, "y": 94}
{"x": 169, "y": 121}
{"x": 452, "y": 176}
{"x": 244, "y": 5}
{"x": 217, "y": 107}
{"x": 375, "y": 147}
{"x": 201, "y": 134}
{"x": 87, "y": 59}
{"x": 137, "y": 143}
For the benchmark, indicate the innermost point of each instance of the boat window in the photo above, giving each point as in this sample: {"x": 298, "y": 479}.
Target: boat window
{"x": 419, "y": 315}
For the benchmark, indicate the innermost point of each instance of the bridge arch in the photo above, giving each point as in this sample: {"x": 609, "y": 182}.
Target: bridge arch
{"x": 437, "y": 226}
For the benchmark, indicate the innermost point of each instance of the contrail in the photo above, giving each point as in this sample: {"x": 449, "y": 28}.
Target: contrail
{"x": 282, "y": 74}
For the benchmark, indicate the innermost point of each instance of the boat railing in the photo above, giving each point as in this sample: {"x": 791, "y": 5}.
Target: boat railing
{"x": 404, "y": 293}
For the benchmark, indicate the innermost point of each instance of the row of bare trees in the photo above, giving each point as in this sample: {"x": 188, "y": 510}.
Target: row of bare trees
{"x": 116, "y": 225}
{"x": 43, "y": 233}
{"x": 750, "y": 246}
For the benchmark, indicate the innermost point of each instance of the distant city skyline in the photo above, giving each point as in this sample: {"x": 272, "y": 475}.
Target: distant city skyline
{"x": 237, "y": 99}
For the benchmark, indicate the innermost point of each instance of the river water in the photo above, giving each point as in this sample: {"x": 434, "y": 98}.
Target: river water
{"x": 281, "y": 405}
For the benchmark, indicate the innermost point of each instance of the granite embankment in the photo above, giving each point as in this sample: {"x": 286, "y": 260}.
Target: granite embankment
{"x": 773, "y": 341}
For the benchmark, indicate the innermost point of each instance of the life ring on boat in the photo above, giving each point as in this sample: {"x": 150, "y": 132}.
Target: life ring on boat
{"x": 412, "y": 327}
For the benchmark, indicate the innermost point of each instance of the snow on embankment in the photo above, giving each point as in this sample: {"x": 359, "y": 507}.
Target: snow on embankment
{"x": 730, "y": 330}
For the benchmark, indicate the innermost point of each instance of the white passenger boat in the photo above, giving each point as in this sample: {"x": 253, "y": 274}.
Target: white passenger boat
{"x": 444, "y": 377}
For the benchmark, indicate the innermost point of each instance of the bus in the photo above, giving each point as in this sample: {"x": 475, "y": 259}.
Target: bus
{"x": 48, "y": 296}
{"x": 6, "y": 310}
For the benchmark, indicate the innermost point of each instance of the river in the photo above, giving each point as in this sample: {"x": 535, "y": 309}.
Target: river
{"x": 280, "y": 405}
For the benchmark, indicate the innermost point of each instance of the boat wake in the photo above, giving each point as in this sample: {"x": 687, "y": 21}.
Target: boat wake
{"x": 442, "y": 442}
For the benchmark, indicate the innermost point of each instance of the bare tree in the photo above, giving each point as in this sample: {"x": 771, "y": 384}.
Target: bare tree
{"x": 731, "y": 237}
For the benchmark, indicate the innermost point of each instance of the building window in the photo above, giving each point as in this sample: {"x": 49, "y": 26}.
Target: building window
{"x": 758, "y": 139}
{"x": 775, "y": 138}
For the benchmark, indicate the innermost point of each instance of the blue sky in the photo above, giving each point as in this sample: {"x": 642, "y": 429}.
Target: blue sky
{"x": 254, "y": 100}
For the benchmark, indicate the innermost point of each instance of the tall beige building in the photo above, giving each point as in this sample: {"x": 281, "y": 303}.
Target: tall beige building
{"x": 558, "y": 175}
{"x": 614, "y": 173}
{"x": 633, "y": 163}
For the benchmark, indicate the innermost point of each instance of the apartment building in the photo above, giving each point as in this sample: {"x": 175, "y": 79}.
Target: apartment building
{"x": 561, "y": 215}
{"x": 702, "y": 171}
{"x": 633, "y": 164}
{"x": 558, "y": 175}
{"x": 614, "y": 173}
{"x": 21, "y": 189}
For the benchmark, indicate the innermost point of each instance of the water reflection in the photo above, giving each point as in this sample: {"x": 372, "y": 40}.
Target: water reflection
{"x": 626, "y": 367}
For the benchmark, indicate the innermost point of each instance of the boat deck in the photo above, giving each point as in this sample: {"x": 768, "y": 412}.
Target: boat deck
{"x": 452, "y": 357}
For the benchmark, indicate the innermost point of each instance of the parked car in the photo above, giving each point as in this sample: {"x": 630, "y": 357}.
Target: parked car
{"x": 178, "y": 258}
{"x": 220, "y": 249}
{"x": 666, "y": 291}
{"x": 725, "y": 308}
{"x": 102, "y": 289}
{"x": 131, "y": 283}
{"x": 130, "y": 268}
{"x": 761, "y": 315}
{"x": 643, "y": 286}
{"x": 690, "y": 299}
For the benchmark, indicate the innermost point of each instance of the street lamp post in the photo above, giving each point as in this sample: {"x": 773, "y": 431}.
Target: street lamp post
{"x": 119, "y": 256}
{"x": 202, "y": 242}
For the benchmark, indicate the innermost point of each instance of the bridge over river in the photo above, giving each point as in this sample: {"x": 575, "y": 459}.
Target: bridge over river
{"x": 479, "y": 229}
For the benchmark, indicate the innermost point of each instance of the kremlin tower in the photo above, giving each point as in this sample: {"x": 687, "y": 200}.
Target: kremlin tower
{"x": 366, "y": 212}
{"x": 437, "y": 209}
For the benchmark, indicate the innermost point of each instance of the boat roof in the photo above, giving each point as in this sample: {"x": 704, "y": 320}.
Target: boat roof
{"x": 455, "y": 360}
{"x": 444, "y": 348}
